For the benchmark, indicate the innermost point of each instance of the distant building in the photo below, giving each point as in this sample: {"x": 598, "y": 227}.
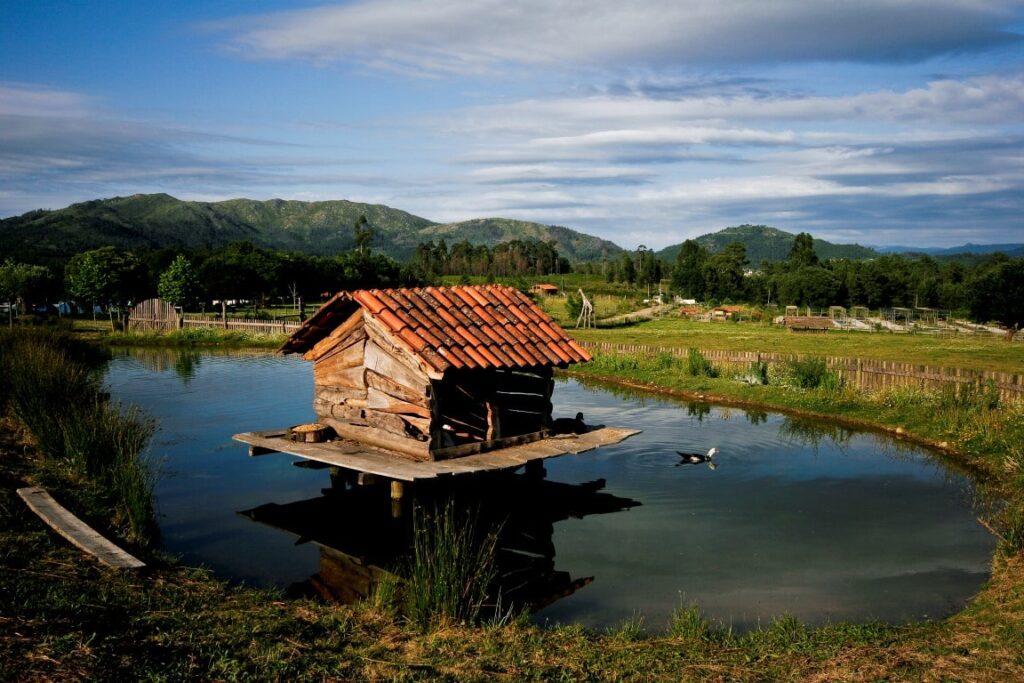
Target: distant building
{"x": 725, "y": 312}
{"x": 544, "y": 289}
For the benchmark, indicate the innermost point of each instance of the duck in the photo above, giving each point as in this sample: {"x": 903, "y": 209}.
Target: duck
{"x": 697, "y": 458}
{"x": 569, "y": 425}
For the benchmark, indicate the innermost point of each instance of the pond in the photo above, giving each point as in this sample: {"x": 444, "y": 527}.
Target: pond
{"x": 798, "y": 517}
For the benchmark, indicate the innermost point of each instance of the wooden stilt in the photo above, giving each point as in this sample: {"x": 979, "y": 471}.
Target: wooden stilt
{"x": 397, "y": 496}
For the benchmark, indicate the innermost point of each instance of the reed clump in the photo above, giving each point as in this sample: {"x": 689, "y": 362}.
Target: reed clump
{"x": 53, "y": 388}
{"x": 450, "y": 569}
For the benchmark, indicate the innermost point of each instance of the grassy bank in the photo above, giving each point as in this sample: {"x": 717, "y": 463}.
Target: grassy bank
{"x": 197, "y": 337}
{"x": 64, "y": 617}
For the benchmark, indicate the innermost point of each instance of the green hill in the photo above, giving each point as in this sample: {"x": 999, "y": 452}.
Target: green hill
{"x": 765, "y": 243}
{"x": 160, "y": 221}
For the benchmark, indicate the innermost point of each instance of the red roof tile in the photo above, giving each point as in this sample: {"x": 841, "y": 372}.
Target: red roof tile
{"x": 487, "y": 326}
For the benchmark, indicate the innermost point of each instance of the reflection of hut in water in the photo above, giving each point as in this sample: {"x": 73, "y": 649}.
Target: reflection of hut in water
{"x": 355, "y": 557}
{"x": 434, "y": 373}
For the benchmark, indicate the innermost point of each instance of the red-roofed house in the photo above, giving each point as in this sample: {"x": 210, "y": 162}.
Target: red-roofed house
{"x": 437, "y": 372}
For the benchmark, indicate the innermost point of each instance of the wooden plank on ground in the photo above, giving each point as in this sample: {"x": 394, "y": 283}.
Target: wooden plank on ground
{"x": 361, "y": 458}
{"x": 80, "y": 534}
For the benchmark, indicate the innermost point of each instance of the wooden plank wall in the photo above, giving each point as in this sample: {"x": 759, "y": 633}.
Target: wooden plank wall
{"x": 864, "y": 373}
{"x": 368, "y": 393}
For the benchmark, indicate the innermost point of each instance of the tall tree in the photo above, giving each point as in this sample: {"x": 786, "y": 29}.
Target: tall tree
{"x": 802, "y": 255}
{"x": 179, "y": 284}
{"x": 17, "y": 282}
{"x": 688, "y": 275}
{"x": 998, "y": 294}
{"x": 363, "y": 234}
{"x": 723, "y": 272}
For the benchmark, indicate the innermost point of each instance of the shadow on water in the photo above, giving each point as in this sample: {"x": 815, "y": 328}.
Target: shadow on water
{"x": 362, "y": 536}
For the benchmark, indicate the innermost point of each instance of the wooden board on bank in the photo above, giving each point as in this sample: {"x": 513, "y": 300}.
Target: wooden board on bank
{"x": 361, "y": 458}
{"x": 80, "y": 534}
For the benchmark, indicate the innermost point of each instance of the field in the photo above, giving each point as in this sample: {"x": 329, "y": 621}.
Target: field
{"x": 967, "y": 351}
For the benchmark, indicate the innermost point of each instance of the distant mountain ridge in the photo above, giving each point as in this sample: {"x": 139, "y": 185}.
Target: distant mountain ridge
{"x": 161, "y": 221}
{"x": 1014, "y": 249}
{"x": 765, "y": 243}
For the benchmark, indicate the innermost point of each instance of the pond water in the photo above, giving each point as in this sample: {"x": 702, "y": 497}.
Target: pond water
{"x": 798, "y": 517}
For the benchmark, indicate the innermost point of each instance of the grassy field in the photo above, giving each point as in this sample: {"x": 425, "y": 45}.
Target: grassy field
{"x": 975, "y": 352}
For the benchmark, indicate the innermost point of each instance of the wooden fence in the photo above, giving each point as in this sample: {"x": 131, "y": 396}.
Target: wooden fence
{"x": 154, "y": 315}
{"x": 253, "y": 325}
{"x": 864, "y": 373}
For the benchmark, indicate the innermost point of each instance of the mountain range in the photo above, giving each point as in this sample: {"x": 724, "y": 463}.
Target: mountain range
{"x": 969, "y": 248}
{"x": 160, "y": 221}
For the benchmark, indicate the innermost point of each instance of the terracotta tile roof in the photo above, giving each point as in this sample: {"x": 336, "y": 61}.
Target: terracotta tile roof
{"x": 487, "y": 326}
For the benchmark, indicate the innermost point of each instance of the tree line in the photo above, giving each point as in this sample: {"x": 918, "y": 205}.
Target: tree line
{"x": 507, "y": 259}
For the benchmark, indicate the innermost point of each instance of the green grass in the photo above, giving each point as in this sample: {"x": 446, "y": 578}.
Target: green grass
{"x": 53, "y": 391}
{"x": 973, "y": 352}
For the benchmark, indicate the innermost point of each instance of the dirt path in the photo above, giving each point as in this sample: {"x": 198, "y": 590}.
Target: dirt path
{"x": 649, "y": 312}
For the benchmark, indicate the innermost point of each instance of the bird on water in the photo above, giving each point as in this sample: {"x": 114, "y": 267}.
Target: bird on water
{"x": 697, "y": 458}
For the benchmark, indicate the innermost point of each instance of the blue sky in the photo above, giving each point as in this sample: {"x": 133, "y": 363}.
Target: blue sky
{"x": 874, "y": 121}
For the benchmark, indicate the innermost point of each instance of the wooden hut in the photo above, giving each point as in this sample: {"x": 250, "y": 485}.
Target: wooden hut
{"x": 434, "y": 373}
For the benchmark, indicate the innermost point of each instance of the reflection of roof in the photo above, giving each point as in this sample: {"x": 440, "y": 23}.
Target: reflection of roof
{"x": 485, "y": 326}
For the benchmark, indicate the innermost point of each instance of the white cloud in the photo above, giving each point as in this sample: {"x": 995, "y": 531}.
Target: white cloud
{"x": 463, "y": 37}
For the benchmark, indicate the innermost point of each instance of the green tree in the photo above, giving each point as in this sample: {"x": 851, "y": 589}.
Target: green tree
{"x": 17, "y": 282}
{"x": 363, "y": 234}
{"x": 688, "y": 274}
{"x": 723, "y": 272}
{"x": 86, "y": 280}
{"x": 179, "y": 284}
{"x": 997, "y": 293}
{"x": 105, "y": 276}
{"x": 627, "y": 271}
{"x": 802, "y": 255}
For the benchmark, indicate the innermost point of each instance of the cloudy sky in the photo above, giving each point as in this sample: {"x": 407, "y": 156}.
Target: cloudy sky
{"x": 875, "y": 121}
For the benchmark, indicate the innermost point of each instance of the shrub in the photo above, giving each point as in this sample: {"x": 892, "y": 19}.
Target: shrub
{"x": 759, "y": 371}
{"x": 699, "y": 366}
{"x": 812, "y": 373}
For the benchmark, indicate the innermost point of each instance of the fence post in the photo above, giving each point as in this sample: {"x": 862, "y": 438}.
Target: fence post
{"x": 224, "y": 313}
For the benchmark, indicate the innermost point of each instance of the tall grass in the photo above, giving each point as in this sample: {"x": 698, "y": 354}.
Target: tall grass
{"x": 813, "y": 373}
{"x": 699, "y": 366}
{"x": 53, "y": 388}
{"x": 450, "y": 569}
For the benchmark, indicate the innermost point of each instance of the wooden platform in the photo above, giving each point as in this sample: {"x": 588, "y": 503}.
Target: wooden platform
{"x": 361, "y": 458}
{"x": 80, "y": 534}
